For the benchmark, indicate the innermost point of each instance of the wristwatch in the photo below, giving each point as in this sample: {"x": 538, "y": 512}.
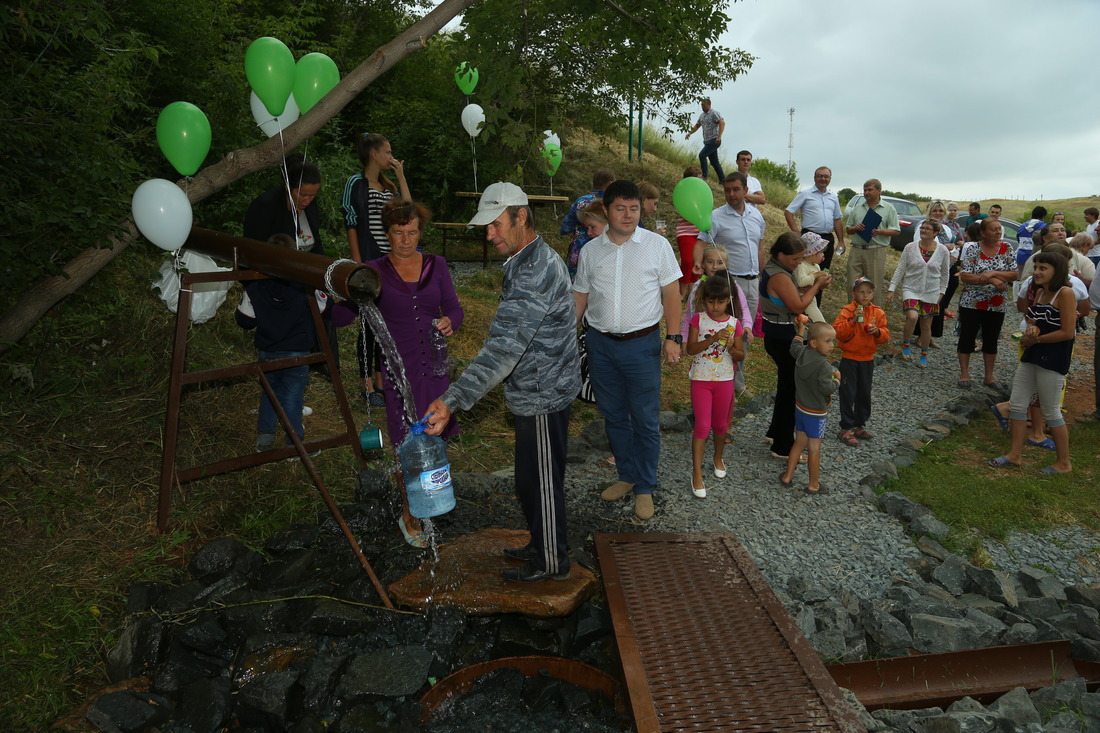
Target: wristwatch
{"x": 675, "y": 337}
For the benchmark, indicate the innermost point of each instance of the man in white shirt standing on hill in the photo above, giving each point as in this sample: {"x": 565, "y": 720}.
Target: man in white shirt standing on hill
{"x": 754, "y": 195}
{"x": 821, "y": 214}
{"x": 627, "y": 280}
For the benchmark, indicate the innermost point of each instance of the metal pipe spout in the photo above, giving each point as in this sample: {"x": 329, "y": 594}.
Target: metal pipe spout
{"x": 350, "y": 280}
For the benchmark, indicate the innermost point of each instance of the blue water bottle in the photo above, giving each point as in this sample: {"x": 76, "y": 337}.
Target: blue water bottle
{"x": 427, "y": 473}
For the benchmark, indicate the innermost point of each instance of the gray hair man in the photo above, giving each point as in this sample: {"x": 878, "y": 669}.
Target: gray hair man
{"x": 532, "y": 348}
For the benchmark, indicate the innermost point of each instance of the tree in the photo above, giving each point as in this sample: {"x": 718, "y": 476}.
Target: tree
{"x": 556, "y": 60}
{"x": 103, "y": 47}
{"x": 845, "y": 195}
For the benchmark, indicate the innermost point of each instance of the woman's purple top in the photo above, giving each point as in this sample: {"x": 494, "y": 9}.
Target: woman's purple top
{"x": 409, "y": 309}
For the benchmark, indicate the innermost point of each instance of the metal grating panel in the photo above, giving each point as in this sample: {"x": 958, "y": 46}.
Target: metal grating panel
{"x": 706, "y": 645}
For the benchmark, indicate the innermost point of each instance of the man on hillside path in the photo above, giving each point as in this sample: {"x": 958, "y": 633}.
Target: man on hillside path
{"x": 713, "y": 126}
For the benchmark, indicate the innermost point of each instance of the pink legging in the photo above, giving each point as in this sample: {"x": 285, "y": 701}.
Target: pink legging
{"x": 712, "y": 403}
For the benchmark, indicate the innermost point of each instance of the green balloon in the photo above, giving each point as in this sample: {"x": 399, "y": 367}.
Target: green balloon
{"x": 183, "y": 133}
{"x": 314, "y": 77}
{"x": 694, "y": 201}
{"x": 466, "y": 77}
{"x": 552, "y": 153}
{"x": 269, "y": 66}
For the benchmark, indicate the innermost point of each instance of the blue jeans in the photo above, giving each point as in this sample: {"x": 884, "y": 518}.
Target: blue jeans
{"x": 289, "y": 386}
{"x": 626, "y": 376}
{"x": 710, "y": 152}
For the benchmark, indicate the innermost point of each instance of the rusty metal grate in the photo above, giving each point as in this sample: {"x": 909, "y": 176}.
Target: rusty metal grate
{"x": 706, "y": 645}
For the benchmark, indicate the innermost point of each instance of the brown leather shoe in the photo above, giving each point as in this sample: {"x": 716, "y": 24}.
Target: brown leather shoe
{"x": 643, "y": 505}
{"x": 617, "y": 490}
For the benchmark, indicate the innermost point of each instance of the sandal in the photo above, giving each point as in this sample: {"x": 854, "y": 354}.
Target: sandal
{"x": 418, "y": 539}
{"x": 994, "y": 385}
{"x": 821, "y": 489}
{"x": 1001, "y": 419}
{"x": 906, "y": 352}
{"x": 1049, "y": 470}
{"x": 1001, "y": 462}
{"x": 964, "y": 384}
{"x": 783, "y": 483}
{"x": 863, "y": 434}
{"x": 848, "y": 437}
{"x": 802, "y": 458}
{"x": 1047, "y": 443}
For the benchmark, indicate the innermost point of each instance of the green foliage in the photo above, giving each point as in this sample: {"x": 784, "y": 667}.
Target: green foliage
{"x": 555, "y": 63}
{"x": 909, "y": 196}
{"x": 763, "y": 168}
{"x": 845, "y": 195}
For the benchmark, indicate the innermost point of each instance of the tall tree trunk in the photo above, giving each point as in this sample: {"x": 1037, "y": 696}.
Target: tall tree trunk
{"x": 48, "y": 292}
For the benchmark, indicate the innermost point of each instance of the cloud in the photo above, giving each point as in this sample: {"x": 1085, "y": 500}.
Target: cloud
{"x": 978, "y": 100}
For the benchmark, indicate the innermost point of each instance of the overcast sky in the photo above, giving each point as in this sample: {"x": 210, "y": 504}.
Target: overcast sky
{"x": 961, "y": 100}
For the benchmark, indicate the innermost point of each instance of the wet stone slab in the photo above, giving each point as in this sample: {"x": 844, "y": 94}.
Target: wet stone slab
{"x": 467, "y": 576}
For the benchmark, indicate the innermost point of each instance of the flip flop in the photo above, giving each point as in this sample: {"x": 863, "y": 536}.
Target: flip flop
{"x": 1001, "y": 462}
{"x": 785, "y": 483}
{"x": 1047, "y": 443}
{"x": 418, "y": 540}
{"x": 1001, "y": 419}
{"x": 994, "y": 385}
{"x": 821, "y": 489}
{"x": 1049, "y": 470}
{"x": 964, "y": 384}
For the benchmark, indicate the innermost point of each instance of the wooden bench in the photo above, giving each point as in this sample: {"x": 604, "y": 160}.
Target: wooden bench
{"x": 458, "y": 231}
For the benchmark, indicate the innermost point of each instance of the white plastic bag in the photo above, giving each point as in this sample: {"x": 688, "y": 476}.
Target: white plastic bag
{"x": 205, "y": 297}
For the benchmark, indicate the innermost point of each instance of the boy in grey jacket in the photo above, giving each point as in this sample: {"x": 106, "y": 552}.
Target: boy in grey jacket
{"x": 815, "y": 380}
{"x": 532, "y": 348}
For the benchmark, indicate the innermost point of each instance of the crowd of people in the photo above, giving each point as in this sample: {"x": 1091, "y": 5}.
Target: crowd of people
{"x": 717, "y": 291}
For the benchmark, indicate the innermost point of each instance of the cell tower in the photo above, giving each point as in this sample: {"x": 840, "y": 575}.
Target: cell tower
{"x": 790, "y": 141}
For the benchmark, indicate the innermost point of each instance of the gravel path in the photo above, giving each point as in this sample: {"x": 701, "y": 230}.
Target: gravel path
{"x": 841, "y": 540}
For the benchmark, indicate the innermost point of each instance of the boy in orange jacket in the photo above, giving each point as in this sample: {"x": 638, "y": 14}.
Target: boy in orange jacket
{"x": 860, "y": 328}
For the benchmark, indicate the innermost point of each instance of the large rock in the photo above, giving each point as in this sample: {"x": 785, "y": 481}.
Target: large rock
{"x": 1040, "y": 584}
{"x": 992, "y": 584}
{"x": 927, "y": 524}
{"x": 1086, "y": 593}
{"x": 127, "y": 711}
{"x": 218, "y": 557}
{"x": 138, "y": 650}
{"x": 900, "y": 506}
{"x": 390, "y": 672}
{"x": 1016, "y": 705}
{"x": 264, "y": 700}
{"x": 595, "y": 434}
{"x": 941, "y": 634}
{"x": 467, "y": 576}
{"x": 951, "y": 574}
{"x": 961, "y": 723}
{"x": 1062, "y": 696}
{"x": 884, "y": 629}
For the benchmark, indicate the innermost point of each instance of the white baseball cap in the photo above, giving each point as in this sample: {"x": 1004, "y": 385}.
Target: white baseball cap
{"x": 495, "y": 200}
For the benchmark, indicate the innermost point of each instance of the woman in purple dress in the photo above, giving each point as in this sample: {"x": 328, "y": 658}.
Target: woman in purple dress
{"x": 416, "y": 290}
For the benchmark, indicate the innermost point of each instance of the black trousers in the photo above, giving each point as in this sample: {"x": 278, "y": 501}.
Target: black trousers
{"x": 952, "y": 285}
{"x": 781, "y": 430}
{"x": 541, "y": 445}
{"x": 855, "y": 392}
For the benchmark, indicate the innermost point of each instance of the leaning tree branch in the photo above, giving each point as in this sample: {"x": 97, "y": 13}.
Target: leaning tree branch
{"x": 36, "y": 301}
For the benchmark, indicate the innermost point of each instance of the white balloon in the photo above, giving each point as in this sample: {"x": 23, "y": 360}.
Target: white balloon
{"x": 472, "y": 119}
{"x": 162, "y": 213}
{"x": 272, "y": 125}
{"x": 551, "y": 138}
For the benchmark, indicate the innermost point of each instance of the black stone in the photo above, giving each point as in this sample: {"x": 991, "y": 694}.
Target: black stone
{"x": 216, "y": 558}
{"x": 204, "y": 705}
{"x": 319, "y": 679}
{"x": 143, "y": 596}
{"x": 292, "y": 538}
{"x": 138, "y": 650}
{"x": 128, "y": 711}
{"x": 333, "y": 618}
{"x": 373, "y": 484}
{"x": 391, "y": 672}
{"x": 264, "y": 700}
{"x": 207, "y": 637}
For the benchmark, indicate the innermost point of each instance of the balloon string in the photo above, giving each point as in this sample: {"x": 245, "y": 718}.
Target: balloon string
{"x": 286, "y": 184}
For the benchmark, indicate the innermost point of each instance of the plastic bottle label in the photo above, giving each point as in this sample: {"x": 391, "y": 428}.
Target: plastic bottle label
{"x": 436, "y": 480}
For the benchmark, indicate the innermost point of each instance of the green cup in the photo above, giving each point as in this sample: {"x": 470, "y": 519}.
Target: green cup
{"x": 370, "y": 437}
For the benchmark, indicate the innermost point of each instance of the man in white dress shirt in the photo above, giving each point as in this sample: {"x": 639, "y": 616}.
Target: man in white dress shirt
{"x": 821, "y": 214}
{"x": 627, "y": 280}
{"x": 754, "y": 195}
{"x": 739, "y": 228}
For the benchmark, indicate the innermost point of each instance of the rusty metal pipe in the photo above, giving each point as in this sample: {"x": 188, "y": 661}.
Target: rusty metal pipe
{"x": 350, "y": 280}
